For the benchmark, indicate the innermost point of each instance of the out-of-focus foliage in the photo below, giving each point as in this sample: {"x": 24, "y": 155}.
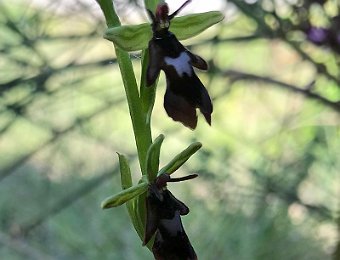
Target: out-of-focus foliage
{"x": 269, "y": 184}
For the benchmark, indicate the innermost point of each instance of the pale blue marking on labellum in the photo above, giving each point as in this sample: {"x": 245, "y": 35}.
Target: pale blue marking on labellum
{"x": 181, "y": 64}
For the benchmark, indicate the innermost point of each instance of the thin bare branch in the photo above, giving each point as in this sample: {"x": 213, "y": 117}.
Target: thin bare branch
{"x": 239, "y": 76}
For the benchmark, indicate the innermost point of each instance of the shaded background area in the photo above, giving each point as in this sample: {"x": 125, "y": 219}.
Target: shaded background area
{"x": 269, "y": 184}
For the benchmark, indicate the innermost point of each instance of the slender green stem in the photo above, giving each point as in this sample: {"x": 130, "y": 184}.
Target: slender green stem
{"x": 147, "y": 93}
{"x": 142, "y": 130}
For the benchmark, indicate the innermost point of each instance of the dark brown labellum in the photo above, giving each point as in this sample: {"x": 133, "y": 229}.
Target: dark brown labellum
{"x": 163, "y": 219}
{"x": 184, "y": 92}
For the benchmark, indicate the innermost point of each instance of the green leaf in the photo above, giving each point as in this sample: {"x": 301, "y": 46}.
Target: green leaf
{"x": 141, "y": 213}
{"x": 137, "y": 223}
{"x": 137, "y": 37}
{"x": 126, "y": 182}
{"x": 138, "y": 213}
{"x": 124, "y": 196}
{"x": 180, "y": 159}
{"x": 152, "y": 157}
{"x": 125, "y": 172}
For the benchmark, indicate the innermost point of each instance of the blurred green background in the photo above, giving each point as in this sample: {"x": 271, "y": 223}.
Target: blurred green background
{"x": 269, "y": 184}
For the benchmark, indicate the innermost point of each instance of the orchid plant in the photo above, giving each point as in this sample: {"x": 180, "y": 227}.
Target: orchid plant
{"x": 140, "y": 99}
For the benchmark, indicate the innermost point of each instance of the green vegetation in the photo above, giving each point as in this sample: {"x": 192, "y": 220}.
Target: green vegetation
{"x": 269, "y": 181}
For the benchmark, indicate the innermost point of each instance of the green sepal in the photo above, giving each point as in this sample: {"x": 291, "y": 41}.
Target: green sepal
{"x": 135, "y": 218}
{"x": 141, "y": 213}
{"x": 180, "y": 159}
{"x": 139, "y": 209}
{"x": 130, "y": 37}
{"x": 152, "y": 157}
{"x": 188, "y": 26}
{"x": 124, "y": 196}
{"x": 126, "y": 182}
{"x": 137, "y": 37}
{"x": 125, "y": 172}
